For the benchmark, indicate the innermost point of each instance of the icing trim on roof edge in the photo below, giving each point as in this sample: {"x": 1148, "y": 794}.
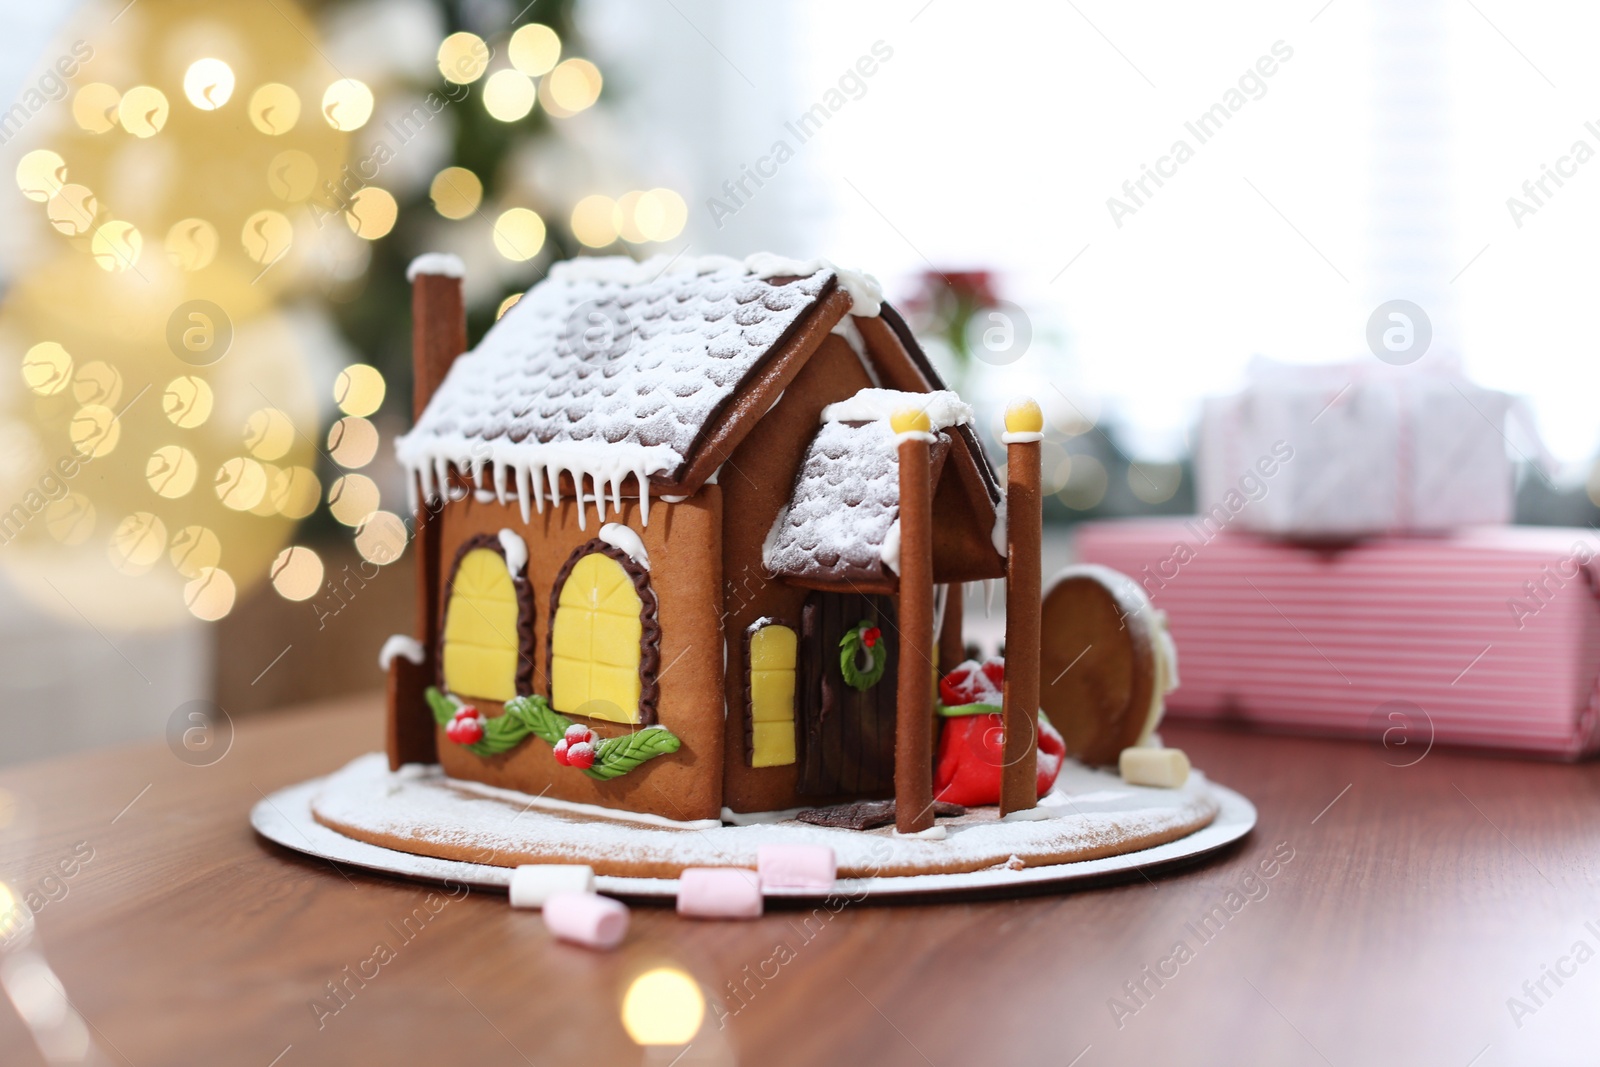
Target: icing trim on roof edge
{"x": 441, "y": 264}
{"x": 535, "y": 469}
{"x": 943, "y": 407}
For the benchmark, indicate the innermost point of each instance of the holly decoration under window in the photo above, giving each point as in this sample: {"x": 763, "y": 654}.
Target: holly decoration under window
{"x": 863, "y": 655}
{"x": 531, "y": 716}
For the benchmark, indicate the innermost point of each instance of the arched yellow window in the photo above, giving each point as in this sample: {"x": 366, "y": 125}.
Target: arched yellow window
{"x": 602, "y": 622}
{"x": 772, "y": 650}
{"x": 484, "y": 627}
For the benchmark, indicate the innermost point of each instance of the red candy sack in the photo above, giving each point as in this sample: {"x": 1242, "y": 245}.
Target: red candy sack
{"x": 972, "y": 744}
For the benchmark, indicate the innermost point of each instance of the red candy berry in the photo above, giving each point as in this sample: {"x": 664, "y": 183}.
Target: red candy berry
{"x": 578, "y": 732}
{"x": 580, "y": 755}
{"x": 560, "y": 752}
{"x": 467, "y": 727}
{"x": 870, "y": 636}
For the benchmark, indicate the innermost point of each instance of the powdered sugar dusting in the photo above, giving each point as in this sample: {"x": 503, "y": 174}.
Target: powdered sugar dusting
{"x": 430, "y": 810}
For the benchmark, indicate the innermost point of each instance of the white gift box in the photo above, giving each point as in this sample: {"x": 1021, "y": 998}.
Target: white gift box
{"x": 1348, "y": 450}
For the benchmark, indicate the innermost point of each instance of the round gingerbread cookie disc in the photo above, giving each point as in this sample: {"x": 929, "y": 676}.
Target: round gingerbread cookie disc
{"x": 1097, "y": 662}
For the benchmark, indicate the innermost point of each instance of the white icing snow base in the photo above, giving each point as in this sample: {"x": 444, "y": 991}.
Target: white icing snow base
{"x": 1086, "y": 806}
{"x": 442, "y": 264}
{"x": 516, "y": 550}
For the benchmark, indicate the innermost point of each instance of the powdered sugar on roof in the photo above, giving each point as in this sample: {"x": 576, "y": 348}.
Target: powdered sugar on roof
{"x": 608, "y": 368}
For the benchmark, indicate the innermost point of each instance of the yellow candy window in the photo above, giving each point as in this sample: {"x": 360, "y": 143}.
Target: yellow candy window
{"x": 772, "y": 679}
{"x": 594, "y": 642}
{"x": 480, "y": 629}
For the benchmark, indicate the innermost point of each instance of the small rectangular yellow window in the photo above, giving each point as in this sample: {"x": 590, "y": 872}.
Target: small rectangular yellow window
{"x": 772, "y": 681}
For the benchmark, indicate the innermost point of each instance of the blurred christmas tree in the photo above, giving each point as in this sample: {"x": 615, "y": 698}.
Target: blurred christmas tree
{"x": 216, "y": 209}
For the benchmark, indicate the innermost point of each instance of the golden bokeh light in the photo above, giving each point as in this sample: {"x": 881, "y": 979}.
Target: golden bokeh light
{"x": 187, "y": 402}
{"x": 509, "y": 95}
{"x": 41, "y": 174}
{"x": 266, "y": 236}
{"x": 209, "y": 596}
{"x": 171, "y": 471}
{"x": 359, "y": 389}
{"x": 372, "y": 213}
{"x": 267, "y": 507}
{"x": 208, "y": 83}
{"x": 116, "y": 245}
{"x": 70, "y": 520}
{"x": 594, "y": 220}
{"x": 274, "y": 109}
{"x": 297, "y": 573}
{"x": 534, "y": 49}
{"x": 137, "y": 543}
{"x": 72, "y": 209}
{"x": 296, "y": 492}
{"x": 573, "y": 86}
{"x": 660, "y": 215}
{"x": 94, "y": 107}
{"x": 292, "y": 175}
{"x": 192, "y": 244}
{"x": 94, "y": 430}
{"x": 463, "y": 57}
{"x": 518, "y": 234}
{"x": 143, "y": 110}
{"x": 382, "y": 538}
{"x": 1087, "y": 485}
{"x": 268, "y": 434}
{"x": 663, "y": 1006}
{"x": 353, "y": 497}
{"x": 506, "y": 305}
{"x": 194, "y": 549}
{"x": 456, "y": 192}
{"x": 626, "y": 217}
{"x": 241, "y": 483}
{"x": 347, "y": 104}
{"x": 47, "y": 368}
{"x": 1154, "y": 483}
{"x": 97, "y": 382}
{"x": 352, "y": 442}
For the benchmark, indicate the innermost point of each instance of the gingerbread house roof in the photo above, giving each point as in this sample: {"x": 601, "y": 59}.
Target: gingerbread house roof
{"x": 842, "y": 522}
{"x": 612, "y": 368}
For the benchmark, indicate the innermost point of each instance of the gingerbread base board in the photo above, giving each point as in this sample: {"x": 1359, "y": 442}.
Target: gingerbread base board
{"x": 1117, "y": 829}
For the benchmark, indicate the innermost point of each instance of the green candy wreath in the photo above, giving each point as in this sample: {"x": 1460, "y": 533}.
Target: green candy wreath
{"x": 863, "y": 656}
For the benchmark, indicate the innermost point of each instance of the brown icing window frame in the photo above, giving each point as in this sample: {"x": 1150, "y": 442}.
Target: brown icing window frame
{"x": 650, "y": 625}
{"x": 749, "y": 702}
{"x": 526, "y": 649}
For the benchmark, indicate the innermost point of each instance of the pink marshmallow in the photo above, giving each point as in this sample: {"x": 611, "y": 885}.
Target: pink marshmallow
{"x": 797, "y": 866}
{"x": 586, "y": 919}
{"x": 719, "y": 893}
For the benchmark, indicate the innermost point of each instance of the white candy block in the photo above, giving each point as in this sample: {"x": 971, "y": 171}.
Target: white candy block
{"x": 1358, "y": 449}
{"x": 1164, "y": 768}
{"x": 533, "y": 884}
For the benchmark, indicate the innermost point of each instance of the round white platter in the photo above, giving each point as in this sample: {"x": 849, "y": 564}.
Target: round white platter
{"x": 286, "y": 818}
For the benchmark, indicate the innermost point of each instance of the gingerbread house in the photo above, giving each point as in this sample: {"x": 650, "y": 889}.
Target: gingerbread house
{"x": 691, "y": 537}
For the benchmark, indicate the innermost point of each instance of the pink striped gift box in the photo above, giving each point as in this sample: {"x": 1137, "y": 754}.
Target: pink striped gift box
{"x": 1488, "y": 636}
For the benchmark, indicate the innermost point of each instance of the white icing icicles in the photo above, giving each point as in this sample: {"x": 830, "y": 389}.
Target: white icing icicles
{"x": 516, "y": 550}
{"x": 627, "y": 541}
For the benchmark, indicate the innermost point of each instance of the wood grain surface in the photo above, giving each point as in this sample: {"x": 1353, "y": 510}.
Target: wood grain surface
{"x": 1416, "y": 901}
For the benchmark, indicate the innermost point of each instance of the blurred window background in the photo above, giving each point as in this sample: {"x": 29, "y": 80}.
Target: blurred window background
{"x": 204, "y": 332}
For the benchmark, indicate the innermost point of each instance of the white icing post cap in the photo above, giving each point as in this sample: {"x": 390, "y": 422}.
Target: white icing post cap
{"x": 440, "y": 264}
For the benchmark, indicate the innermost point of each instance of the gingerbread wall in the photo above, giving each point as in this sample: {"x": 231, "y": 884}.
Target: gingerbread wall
{"x": 684, "y": 542}
{"x": 755, "y": 483}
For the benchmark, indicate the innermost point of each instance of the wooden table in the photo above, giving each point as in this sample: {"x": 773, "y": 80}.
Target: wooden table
{"x": 1416, "y": 902}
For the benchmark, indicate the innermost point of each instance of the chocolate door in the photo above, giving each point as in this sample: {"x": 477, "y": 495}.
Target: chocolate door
{"x": 846, "y": 736}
